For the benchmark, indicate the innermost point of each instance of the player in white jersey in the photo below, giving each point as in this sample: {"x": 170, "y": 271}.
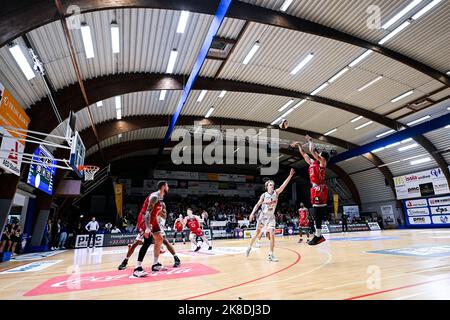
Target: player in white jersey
{"x": 268, "y": 202}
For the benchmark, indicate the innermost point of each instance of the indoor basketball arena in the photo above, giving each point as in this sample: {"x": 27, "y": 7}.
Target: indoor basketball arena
{"x": 225, "y": 150}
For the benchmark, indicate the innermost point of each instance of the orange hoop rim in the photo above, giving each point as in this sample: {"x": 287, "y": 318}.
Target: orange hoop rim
{"x": 88, "y": 167}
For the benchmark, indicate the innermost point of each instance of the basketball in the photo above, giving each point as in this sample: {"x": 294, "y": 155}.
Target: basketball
{"x": 283, "y": 124}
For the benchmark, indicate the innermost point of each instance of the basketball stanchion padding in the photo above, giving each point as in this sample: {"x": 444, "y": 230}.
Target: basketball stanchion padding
{"x": 89, "y": 171}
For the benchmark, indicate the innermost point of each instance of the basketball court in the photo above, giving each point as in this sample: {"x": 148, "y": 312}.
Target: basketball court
{"x": 391, "y": 265}
{"x": 121, "y": 121}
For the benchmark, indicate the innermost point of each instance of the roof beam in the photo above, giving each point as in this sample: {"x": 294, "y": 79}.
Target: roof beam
{"x": 30, "y": 16}
{"x": 115, "y": 127}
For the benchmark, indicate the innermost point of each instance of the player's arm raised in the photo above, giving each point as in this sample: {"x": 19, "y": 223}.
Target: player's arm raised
{"x": 316, "y": 155}
{"x": 302, "y": 152}
{"x": 151, "y": 204}
{"x": 252, "y": 215}
{"x": 285, "y": 183}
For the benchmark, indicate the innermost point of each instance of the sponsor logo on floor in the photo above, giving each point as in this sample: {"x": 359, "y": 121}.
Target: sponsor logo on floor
{"x": 97, "y": 280}
{"x": 31, "y": 267}
{"x": 423, "y": 251}
{"x": 36, "y": 255}
{"x": 363, "y": 238}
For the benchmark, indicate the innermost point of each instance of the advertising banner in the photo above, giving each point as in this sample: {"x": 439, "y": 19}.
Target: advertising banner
{"x": 335, "y": 204}
{"x": 351, "y": 211}
{"x": 432, "y": 211}
{"x": 421, "y": 184}
{"x": 81, "y": 240}
{"x": 11, "y": 115}
{"x": 118, "y": 191}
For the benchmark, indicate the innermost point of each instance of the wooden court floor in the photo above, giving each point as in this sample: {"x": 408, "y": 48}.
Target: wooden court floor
{"x": 397, "y": 264}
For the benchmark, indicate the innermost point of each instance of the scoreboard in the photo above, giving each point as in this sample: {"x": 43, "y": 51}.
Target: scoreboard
{"x": 42, "y": 170}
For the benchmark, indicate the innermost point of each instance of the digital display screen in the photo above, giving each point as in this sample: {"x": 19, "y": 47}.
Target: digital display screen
{"x": 42, "y": 170}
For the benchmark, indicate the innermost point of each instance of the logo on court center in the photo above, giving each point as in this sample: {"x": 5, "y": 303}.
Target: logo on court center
{"x": 97, "y": 280}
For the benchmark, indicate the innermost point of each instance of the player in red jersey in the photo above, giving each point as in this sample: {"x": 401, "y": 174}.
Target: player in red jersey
{"x": 193, "y": 222}
{"x": 303, "y": 221}
{"x": 178, "y": 226}
{"x": 148, "y": 221}
{"x": 319, "y": 189}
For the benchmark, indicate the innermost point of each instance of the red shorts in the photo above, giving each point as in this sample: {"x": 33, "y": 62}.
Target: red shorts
{"x": 179, "y": 230}
{"x": 155, "y": 226}
{"x": 304, "y": 223}
{"x": 198, "y": 232}
{"x": 319, "y": 194}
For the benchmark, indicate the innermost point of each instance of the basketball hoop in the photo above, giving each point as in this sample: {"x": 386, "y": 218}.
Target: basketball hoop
{"x": 89, "y": 171}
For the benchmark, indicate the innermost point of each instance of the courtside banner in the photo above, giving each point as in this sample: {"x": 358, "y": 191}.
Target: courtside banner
{"x": 11, "y": 115}
{"x": 420, "y": 184}
{"x": 81, "y": 240}
{"x": 118, "y": 239}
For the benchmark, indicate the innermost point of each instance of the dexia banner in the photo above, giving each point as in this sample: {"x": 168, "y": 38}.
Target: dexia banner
{"x": 12, "y": 115}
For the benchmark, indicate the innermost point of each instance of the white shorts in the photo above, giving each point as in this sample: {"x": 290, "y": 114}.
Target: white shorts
{"x": 266, "y": 220}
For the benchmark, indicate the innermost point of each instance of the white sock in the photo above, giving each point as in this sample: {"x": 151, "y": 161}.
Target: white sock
{"x": 270, "y": 253}
{"x": 318, "y": 233}
{"x": 155, "y": 260}
{"x": 139, "y": 264}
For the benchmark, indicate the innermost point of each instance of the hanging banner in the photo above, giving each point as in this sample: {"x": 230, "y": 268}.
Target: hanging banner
{"x": 118, "y": 190}
{"x": 421, "y": 184}
{"x": 11, "y": 115}
{"x": 336, "y": 204}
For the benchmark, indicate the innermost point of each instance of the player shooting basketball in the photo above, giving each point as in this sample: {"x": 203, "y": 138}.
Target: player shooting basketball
{"x": 319, "y": 189}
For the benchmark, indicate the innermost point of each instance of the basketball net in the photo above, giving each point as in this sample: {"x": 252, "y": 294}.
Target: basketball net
{"x": 89, "y": 172}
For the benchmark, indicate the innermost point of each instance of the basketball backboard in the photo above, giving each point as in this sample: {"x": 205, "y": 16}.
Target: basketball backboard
{"x": 70, "y": 129}
{"x": 77, "y": 154}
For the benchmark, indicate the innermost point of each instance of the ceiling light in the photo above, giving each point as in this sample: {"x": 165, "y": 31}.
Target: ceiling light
{"x": 399, "y": 15}
{"x": 302, "y": 64}
{"x": 340, "y": 73}
{"x": 222, "y": 94}
{"x": 118, "y": 114}
{"x": 172, "y": 60}
{"x": 406, "y": 140}
{"x": 364, "y": 125}
{"x": 287, "y": 104}
{"x": 202, "y": 95}
{"x": 394, "y": 32}
{"x": 377, "y": 150}
{"x": 418, "y": 120}
{"x": 100, "y": 104}
{"x": 87, "y": 41}
{"x": 360, "y": 58}
{"x": 330, "y": 132}
{"x": 323, "y": 86}
{"x": 408, "y": 147}
{"x": 251, "y": 53}
{"x": 356, "y": 119}
{"x": 183, "y": 21}
{"x": 285, "y": 5}
{"x": 209, "y": 113}
{"x": 162, "y": 95}
{"x": 392, "y": 145}
{"x": 115, "y": 38}
{"x": 419, "y": 161}
{"x": 425, "y": 9}
{"x": 298, "y": 104}
{"x": 385, "y": 133}
{"x": 21, "y": 61}
{"x": 370, "y": 83}
{"x": 400, "y": 97}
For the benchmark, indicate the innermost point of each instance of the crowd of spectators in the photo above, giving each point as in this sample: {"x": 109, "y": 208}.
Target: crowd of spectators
{"x": 11, "y": 237}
